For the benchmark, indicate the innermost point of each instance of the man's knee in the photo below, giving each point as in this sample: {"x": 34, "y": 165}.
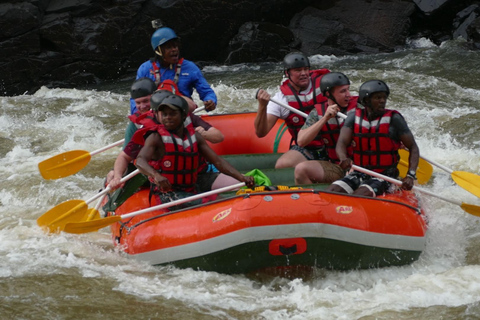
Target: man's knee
{"x": 301, "y": 174}
{"x": 281, "y": 163}
{"x": 290, "y": 159}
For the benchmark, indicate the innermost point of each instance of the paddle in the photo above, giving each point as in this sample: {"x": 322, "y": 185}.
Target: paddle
{"x": 424, "y": 169}
{"x": 467, "y": 180}
{"x": 95, "y": 225}
{"x": 70, "y": 162}
{"x": 470, "y": 208}
{"x": 93, "y": 213}
{"x": 73, "y": 210}
{"x": 199, "y": 109}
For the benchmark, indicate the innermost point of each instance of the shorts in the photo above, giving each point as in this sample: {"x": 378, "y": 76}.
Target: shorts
{"x": 312, "y": 153}
{"x": 332, "y": 171}
{"x": 205, "y": 181}
{"x": 354, "y": 180}
{"x": 166, "y": 197}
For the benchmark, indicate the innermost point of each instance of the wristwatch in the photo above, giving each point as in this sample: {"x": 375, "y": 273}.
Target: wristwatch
{"x": 412, "y": 174}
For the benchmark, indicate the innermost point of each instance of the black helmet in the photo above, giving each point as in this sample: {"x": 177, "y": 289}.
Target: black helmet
{"x": 333, "y": 79}
{"x": 157, "y": 98}
{"x": 142, "y": 87}
{"x": 295, "y": 60}
{"x": 175, "y": 102}
{"x": 370, "y": 87}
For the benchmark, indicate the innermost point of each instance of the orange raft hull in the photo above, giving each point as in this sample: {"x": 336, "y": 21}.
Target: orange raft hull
{"x": 273, "y": 229}
{"x": 240, "y": 138}
{"x": 255, "y": 231}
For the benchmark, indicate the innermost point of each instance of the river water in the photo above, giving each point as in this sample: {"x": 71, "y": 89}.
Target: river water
{"x": 64, "y": 276}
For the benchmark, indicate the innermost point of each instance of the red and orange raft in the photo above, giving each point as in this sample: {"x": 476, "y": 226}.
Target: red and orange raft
{"x": 261, "y": 230}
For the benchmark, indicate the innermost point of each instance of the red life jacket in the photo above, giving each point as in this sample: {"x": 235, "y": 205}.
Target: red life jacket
{"x": 143, "y": 120}
{"x": 329, "y": 133}
{"x": 169, "y": 85}
{"x": 139, "y": 135}
{"x": 180, "y": 162}
{"x": 303, "y": 102}
{"x": 158, "y": 76}
{"x": 373, "y": 148}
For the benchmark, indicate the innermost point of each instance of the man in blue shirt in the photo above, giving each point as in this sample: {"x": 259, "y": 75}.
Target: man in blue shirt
{"x": 168, "y": 69}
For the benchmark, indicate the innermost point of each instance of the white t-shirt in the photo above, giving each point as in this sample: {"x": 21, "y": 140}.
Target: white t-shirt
{"x": 279, "y": 111}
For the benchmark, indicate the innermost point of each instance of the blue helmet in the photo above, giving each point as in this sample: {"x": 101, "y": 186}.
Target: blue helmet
{"x": 162, "y": 35}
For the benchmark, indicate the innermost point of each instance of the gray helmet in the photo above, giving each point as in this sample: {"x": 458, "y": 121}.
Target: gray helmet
{"x": 157, "y": 98}
{"x": 333, "y": 79}
{"x": 142, "y": 87}
{"x": 175, "y": 102}
{"x": 295, "y": 60}
{"x": 370, "y": 87}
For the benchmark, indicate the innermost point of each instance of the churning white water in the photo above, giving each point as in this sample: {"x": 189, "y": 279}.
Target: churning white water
{"x": 64, "y": 276}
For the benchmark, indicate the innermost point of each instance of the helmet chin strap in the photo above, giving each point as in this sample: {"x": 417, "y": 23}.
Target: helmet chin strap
{"x": 331, "y": 97}
{"x": 180, "y": 126}
{"x": 159, "y": 53}
{"x": 370, "y": 113}
{"x": 291, "y": 81}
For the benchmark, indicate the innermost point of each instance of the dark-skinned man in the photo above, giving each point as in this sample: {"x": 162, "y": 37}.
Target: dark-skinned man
{"x": 377, "y": 134}
{"x": 171, "y": 154}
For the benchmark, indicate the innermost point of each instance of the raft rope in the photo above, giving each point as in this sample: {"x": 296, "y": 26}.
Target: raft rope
{"x": 266, "y": 188}
{"x": 279, "y": 136}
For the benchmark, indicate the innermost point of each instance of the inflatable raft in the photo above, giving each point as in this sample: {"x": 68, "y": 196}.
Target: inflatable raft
{"x": 275, "y": 228}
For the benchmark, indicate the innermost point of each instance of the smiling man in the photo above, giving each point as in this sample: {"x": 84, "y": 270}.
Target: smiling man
{"x": 171, "y": 154}
{"x": 301, "y": 90}
{"x": 377, "y": 133}
{"x": 169, "y": 68}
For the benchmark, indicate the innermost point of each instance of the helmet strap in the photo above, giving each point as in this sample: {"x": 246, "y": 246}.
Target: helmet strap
{"x": 159, "y": 52}
{"x": 331, "y": 97}
{"x": 368, "y": 108}
{"x": 293, "y": 85}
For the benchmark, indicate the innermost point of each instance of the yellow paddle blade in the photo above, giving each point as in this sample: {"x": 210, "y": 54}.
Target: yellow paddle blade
{"x": 472, "y": 209}
{"x": 91, "y": 226}
{"x": 55, "y": 219}
{"x": 58, "y": 211}
{"x": 64, "y": 164}
{"x": 424, "y": 169}
{"x": 468, "y": 181}
{"x": 92, "y": 214}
